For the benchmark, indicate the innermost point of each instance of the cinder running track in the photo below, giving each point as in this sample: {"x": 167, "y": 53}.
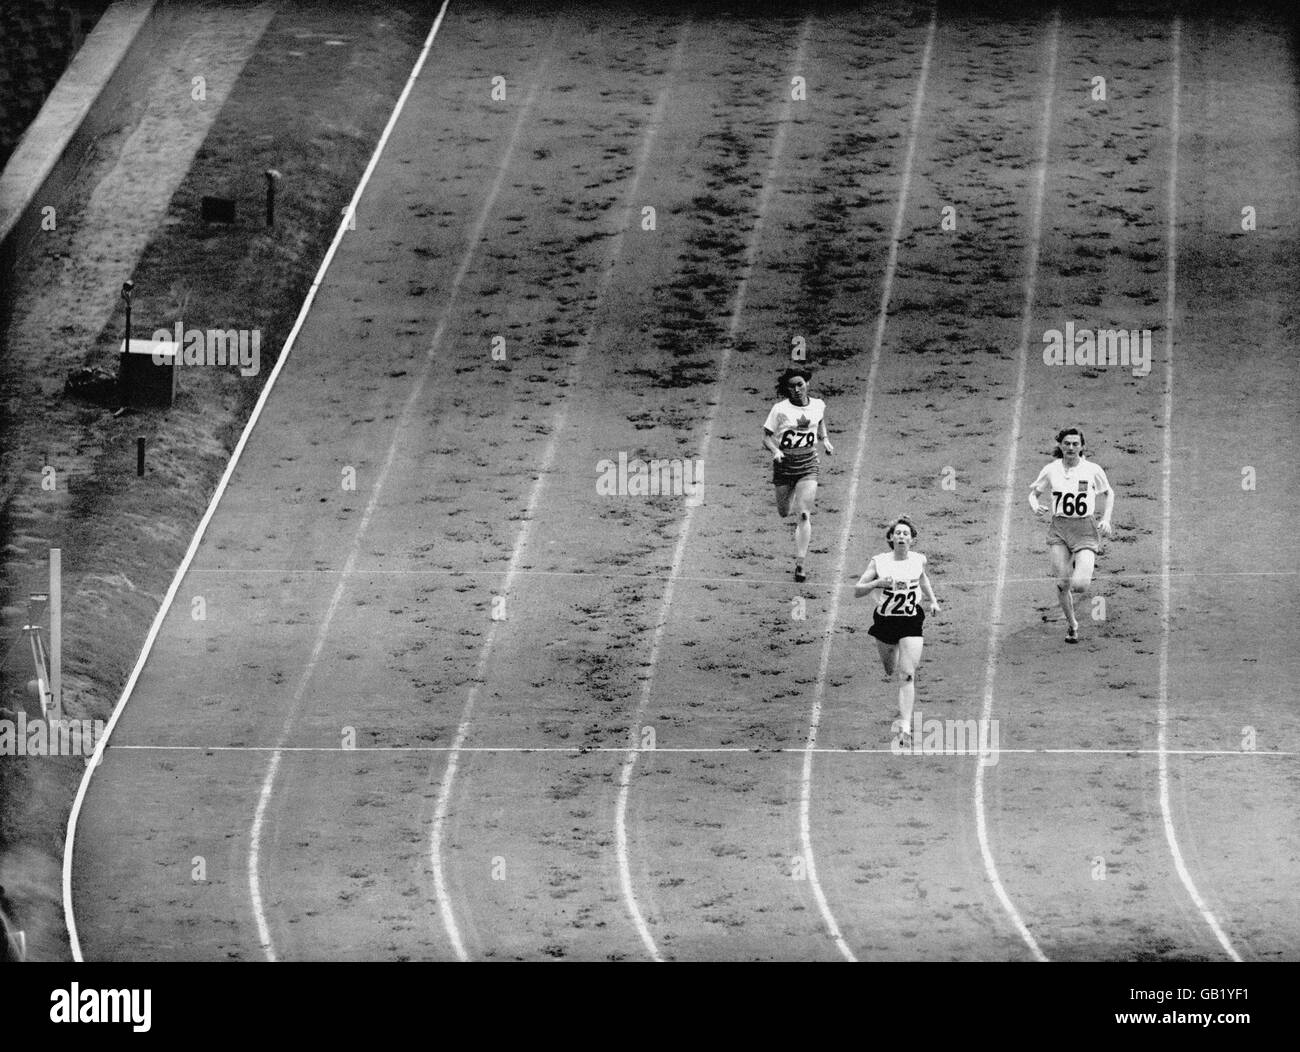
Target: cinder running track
{"x": 450, "y": 702}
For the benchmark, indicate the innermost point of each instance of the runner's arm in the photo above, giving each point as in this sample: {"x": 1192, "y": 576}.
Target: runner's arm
{"x": 1107, "y": 493}
{"x": 929, "y": 591}
{"x": 769, "y": 443}
{"x": 867, "y": 582}
{"x": 826, "y": 442}
{"x": 1040, "y": 484}
{"x": 1107, "y": 506}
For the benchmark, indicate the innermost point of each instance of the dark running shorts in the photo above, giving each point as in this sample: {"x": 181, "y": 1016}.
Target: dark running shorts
{"x": 789, "y": 471}
{"x": 890, "y": 630}
{"x": 1075, "y": 534}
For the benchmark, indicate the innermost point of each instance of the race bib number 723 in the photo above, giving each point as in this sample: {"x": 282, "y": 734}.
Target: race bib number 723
{"x": 900, "y": 603}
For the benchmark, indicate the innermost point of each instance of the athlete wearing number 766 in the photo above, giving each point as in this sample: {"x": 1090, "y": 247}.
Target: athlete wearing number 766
{"x": 1075, "y": 485}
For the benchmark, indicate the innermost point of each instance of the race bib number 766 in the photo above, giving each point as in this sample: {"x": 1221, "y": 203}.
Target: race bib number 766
{"x": 1070, "y": 505}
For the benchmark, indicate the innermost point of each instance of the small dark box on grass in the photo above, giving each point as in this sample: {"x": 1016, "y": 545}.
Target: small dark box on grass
{"x": 217, "y": 210}
{"x": 146, "y": 373}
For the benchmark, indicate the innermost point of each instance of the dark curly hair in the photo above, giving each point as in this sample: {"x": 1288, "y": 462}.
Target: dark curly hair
{"x": 1083, "y": 442}
{"x": 783, "y": 381}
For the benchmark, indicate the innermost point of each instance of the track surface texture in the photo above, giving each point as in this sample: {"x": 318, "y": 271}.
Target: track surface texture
{"x": 448, "y": 701}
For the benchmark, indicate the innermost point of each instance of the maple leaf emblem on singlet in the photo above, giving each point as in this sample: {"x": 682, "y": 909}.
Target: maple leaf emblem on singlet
{"x": 803, "y": 421}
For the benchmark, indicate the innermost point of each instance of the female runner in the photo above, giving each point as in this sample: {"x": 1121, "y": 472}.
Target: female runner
{"x": 1073, "y": 537}
{"x": 790, "y": 433}
{"x": 897, "y": 624}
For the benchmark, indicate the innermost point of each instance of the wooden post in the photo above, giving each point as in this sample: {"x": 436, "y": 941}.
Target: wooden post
{"x": 127, "y": 286}
{"x": 272, "y": 177}
{"x": 56, "y": 632}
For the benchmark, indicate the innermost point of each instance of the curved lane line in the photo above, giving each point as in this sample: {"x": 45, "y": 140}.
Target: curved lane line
{"x": 458, "y": 746}
{"x": 679, "y": 553}
{"x": 1008, "y": 497}
{"x": 403, "y": 421}
{"x": 814, "y": 718}
{"x": 1171, "y": 278}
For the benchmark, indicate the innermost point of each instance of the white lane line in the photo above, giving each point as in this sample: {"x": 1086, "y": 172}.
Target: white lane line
{"x": 70, "y": 840}
{"x": 1166, "y": 500}
{"x": 443, "y": 802}
{"x": 733, "y": 325}
{"x": 758, "y": 750}
{"x": 403, "y": 422}
{"x": 819, "y": 692}
{"x": 1008, "y": 497}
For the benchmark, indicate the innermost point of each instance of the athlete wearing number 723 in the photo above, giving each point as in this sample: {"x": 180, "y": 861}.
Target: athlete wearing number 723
{"x": 899, "y": 575}
{"x": 1075, "y": 485}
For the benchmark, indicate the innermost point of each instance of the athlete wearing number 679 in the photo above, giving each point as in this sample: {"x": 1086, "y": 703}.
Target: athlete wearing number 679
{"x": 1075, "y": 485}
{"x": 899, "y": 575}
{"x": 790, "y": 434}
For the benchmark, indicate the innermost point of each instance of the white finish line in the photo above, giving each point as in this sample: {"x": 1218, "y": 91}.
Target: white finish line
{"x": 757, "y": 750}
